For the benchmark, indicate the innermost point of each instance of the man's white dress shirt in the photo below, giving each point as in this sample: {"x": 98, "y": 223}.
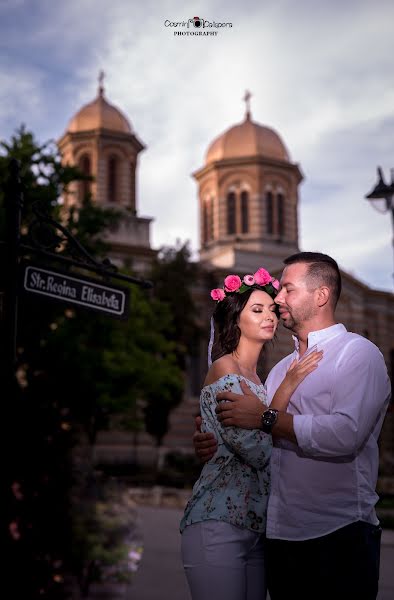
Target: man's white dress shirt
{"x": 329, "y": 479}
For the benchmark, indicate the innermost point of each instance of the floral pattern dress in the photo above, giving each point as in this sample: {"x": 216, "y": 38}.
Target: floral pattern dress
{"x": 234, "y": 484}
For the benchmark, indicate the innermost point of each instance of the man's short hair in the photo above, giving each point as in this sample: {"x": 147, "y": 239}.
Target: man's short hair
{"x": 322, "y": 270}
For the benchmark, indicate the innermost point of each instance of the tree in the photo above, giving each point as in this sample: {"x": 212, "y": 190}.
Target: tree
{"x": 76, "y": 372}
{"x": 174, "y": 275}
{"x": 123, "y": 363}
{"x": 38, "y": 470}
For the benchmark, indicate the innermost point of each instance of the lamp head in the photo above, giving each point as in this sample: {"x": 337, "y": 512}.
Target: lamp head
{"x": 381, "y": 189}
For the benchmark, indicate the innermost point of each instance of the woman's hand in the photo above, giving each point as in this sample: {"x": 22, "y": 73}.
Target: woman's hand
{"x": 299, "y": 369}
{"x": 205, "y": 444}
{"x": 297, "y": 372}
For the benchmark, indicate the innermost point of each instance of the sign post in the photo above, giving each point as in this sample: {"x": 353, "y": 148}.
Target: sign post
{"x": 47, "y": 281}
{"x": 74, "y": 289}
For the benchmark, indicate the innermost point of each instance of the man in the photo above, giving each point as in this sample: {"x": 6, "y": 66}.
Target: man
{"x": 323, "y": 536}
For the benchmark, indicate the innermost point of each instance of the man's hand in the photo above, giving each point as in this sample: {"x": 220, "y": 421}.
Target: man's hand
{"x": 205, "y": 444}
{"x": 242, "y": 410}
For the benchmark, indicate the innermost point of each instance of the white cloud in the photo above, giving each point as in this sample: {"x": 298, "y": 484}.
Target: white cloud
{"x": 15, "y": 87}
{"x": 320, "y": 74}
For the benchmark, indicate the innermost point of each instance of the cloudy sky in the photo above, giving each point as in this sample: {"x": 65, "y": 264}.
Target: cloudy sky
{"x": 321, "y": 74}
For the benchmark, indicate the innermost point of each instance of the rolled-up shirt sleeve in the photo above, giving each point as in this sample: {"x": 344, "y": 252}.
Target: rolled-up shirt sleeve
{"x": 361, "y": 391}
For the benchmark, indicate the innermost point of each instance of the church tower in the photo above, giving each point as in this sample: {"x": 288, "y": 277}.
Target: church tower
{"x": 100, "y": 141}
{"x": 248, "y": 198}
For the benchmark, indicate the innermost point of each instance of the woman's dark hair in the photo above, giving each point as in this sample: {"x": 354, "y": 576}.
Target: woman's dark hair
{"x": 226, "y": 317}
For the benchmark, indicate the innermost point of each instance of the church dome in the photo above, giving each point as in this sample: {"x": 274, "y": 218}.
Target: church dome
{"x": 99, "y": 114}
{"x": 247, "y": 139}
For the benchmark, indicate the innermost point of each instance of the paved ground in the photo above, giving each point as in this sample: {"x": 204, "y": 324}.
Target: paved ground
{"x": 161, "y": 577}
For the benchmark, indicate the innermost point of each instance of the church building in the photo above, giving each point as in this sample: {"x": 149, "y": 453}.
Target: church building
{"x": 100, "y": 141}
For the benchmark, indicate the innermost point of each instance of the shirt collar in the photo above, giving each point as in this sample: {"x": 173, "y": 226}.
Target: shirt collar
{"x": 321, "y": 335}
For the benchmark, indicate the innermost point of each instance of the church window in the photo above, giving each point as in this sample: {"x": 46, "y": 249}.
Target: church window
{"x": 205, "y": 218}
{"x": 244, "y": 212}
{"x": 112, "y": 178}
{"x": 269, "y": 212}
{"x": 231, "y": 227}
{"x": 210, "y": 218}
{"x": 86, "y": 169}
{"x": 281, "y": 219}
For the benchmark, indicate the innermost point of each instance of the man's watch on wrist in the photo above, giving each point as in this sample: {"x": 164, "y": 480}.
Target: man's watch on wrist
{"x": 268, "y": 419}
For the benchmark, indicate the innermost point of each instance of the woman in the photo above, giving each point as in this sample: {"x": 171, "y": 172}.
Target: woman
{"x": 224, "y": 521}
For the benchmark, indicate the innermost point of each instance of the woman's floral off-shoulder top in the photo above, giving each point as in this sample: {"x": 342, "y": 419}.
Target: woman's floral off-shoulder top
{"x": 234, "y": 484}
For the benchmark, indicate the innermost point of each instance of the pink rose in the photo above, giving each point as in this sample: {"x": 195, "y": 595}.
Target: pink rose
{"x": 249, "y": 279}
{"x": 217, "y": 294}
{"x": 262, "y": 277}
{"x": 276, "y": 284}
{"x": 232, "y": 283}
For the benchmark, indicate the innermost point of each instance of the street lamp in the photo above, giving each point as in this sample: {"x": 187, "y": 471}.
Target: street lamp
{"x": 382, "y": 196}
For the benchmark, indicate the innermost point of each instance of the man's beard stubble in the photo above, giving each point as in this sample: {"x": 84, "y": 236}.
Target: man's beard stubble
{"x": 298, "y": 317}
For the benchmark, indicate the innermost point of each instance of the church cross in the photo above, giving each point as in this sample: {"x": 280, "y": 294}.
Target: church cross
{"x": 246, "y": 99}
{"x": 101, "y": 82}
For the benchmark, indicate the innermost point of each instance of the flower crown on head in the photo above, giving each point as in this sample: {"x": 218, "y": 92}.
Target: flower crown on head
{"x": 233, "y": 284}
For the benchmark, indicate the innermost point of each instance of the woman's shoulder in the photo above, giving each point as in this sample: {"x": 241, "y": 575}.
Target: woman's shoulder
{"x": 225, "y": 365}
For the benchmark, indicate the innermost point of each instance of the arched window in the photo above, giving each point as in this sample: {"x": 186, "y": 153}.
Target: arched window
{"x": 112, "y": 178}
{"x": 269, "y": 212}
{"x": 210, "y": 218}
{"x": 205, "y": 219}
{"x": 281, "y": 215}
{"x": 86, "y": 169}
{"x": 231, "y": 227}
{"x": 244, "y": 212}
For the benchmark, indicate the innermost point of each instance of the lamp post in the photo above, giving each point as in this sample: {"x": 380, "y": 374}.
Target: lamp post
{"x": 382, "y": 197}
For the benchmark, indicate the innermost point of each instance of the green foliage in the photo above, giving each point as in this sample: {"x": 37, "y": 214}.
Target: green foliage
{"x": 114, "y": 365}
{"x": 77, "y": 371}
{"x": 175, "y": 274}
{"x": 43, "y": 176}
{"x": 38, "y": 474}
{"x": 180, "y": 470}
{"x": 87, "y": 222}
{"x": 44, "y": 180}
{"x": 106, "y": 534}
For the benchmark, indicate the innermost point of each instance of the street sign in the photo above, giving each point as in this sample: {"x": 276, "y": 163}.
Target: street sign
{"x": 74, "y": 289}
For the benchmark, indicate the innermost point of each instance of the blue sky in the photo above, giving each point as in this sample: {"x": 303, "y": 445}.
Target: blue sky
{"x": 320, "y": 73}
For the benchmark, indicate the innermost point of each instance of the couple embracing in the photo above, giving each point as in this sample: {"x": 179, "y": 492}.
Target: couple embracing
{"x": 286, "y": 496}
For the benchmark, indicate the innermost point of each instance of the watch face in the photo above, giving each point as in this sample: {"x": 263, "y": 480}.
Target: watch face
{"x": 269, "y": 417}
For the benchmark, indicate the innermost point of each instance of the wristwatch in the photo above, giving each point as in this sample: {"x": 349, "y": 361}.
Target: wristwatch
{"x": 268, "y": 419}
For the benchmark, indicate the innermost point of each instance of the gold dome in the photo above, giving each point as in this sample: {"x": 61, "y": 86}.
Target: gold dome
{"x": 99, "y": 114}
{"x": 247, "y": 139}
